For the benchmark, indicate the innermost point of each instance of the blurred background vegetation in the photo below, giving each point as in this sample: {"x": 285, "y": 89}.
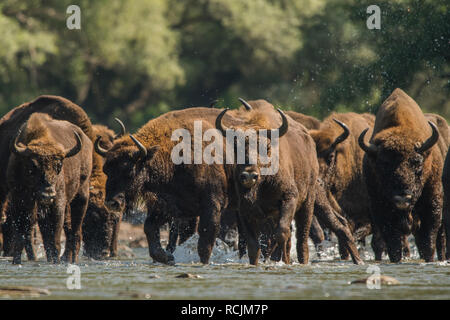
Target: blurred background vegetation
{"x": 137, "y": 59}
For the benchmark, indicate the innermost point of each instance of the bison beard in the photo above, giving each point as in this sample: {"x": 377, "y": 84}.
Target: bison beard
{"x": 402, "y": 170}
{"x": 49, "y": 184}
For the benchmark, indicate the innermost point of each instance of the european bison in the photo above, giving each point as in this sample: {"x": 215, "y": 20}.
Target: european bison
{"x": 58, "y": 108}
{"x": 141, "y": 164}
{"x": 341, "y": 162}
{"x": 48, "y": 178}
{"x": 269, "y": 203}
{"x": 101, "y": 224}
{"x": 402, "y": 170}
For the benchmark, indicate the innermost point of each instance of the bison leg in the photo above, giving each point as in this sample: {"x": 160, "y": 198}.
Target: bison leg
{"x": 67, "y": 255}
{"x": 8, "y": 236}
{"x": 303, "y": 219}
{"x": 429, "y": 210}
{"x": 446, "y": 223}
{"x": 208, "y": 229}
{"x": 173, "y": 236}
{"x": 117, "y": 219}
{"x": 253, "y": 247}
{"x": 51, "y": 225}
{"x": 242, "y": 242}
{"x": 328, "y": 217}
{"x": 23, "y": 219}
{"x": 152, "y": 224}
{"x": 440, "y": 243}
{"x": 316, "y": 233}
{"x": 378, "y": 244}
{"x": 78, "y": 208}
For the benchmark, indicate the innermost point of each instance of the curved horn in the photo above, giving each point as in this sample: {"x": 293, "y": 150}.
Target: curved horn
{"x": 98, "y": 148}
{"x": 142, "y": 149}
{"x": 76, "y": 148}
{"x": 219, "y": 126}
{"x": 431, "y": 141}
{"x": 370, "y": 149}
{"x": 122, "y": 128}
{"x": 14, "y": 146}
{"x": 342, "y": 137}
{"x": 246, "y": 105}
{"x": 283, "y": 128}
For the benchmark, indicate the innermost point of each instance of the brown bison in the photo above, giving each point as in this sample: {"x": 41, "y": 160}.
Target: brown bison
{"x": 101, "y": 224}
{"x": 48, "y": 178}
{"x": 402, "y": 170}
{"x": 323, "y": 210}
{"x": 58, "y": 108}
{"x": 268, "y": 203}
{"x": 141, "y": 164}
{"x": 341, "y": 162}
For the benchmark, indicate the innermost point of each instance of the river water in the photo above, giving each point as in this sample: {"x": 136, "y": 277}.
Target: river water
{"x": 227, "y": 277}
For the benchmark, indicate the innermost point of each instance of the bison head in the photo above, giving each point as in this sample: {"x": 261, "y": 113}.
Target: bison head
{"x": 40, "y": 164}
{"x": 126, "y": 169}
{"x": 327, "y": 142}
{"x": 398, "y": 163}
{"x": 247, "y": 173}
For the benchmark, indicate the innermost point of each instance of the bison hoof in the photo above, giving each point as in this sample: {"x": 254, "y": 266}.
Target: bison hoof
{"x": 163, "y": 257}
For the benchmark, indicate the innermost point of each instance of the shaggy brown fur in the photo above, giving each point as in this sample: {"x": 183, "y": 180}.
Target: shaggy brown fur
{"x": 49, "y": 185}
{"x": 404, "y": 184}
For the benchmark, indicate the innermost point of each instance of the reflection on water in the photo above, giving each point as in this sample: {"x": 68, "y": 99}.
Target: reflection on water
{"x": 227, "y": 277}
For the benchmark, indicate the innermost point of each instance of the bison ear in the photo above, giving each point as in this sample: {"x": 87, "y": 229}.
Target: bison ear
{"x": 151, "y": 152}
{"x": 313, "y": 133}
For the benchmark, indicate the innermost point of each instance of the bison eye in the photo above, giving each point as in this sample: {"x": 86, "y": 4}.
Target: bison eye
{"x": 58, "y": 167}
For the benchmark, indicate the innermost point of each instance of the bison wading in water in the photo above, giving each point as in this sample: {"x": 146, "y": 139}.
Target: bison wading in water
{"x": 341, "y": 165}
{"x": 402, "y": 170}
{"x": 141, "y": 165}
{"x": 269, "y": 203}
{"x": 58, "y": 108}
{"x": 48, "y": 178}
{"x": 101, "y": 224}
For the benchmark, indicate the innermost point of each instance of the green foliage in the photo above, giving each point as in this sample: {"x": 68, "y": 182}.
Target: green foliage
{"x": 137, "y": 59}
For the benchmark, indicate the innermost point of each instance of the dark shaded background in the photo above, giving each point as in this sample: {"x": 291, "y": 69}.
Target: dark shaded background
{"x": 137, "y": 59}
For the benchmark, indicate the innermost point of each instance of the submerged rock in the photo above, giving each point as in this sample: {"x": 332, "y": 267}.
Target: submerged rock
{"x": 384, "y": 280}
{"x": 22, "y": 291}
{"x": 188, "y": 276}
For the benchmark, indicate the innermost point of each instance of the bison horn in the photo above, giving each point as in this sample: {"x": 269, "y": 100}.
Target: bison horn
{"x": 343, "y": 136}
{"x": 370, "y": 149}
{"x": 283, "y": 128}
{"x": 75, "y": 149}
{"x": 431, "y": 141}
{"x": 14, "y": 146}
{"x": 142, "y": 149}
{"x": 122, "y": 128}
{"x": 246, "y": 105}
{"x": 219, "y": 125}
{"x": 98, "y": 148}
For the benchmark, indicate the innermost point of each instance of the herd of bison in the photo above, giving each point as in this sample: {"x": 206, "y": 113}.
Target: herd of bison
{"x": 354, "y": 174}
